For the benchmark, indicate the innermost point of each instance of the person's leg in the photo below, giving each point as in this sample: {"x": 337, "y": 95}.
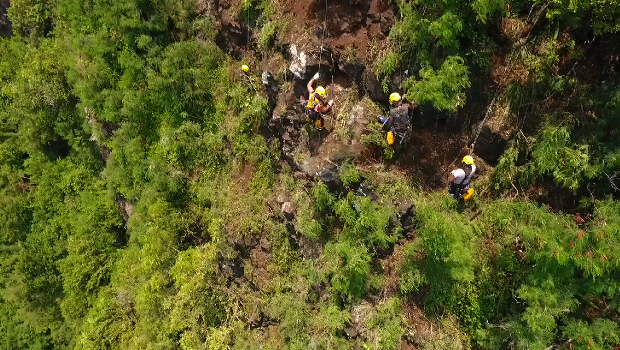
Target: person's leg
{"x": 319, "y": 122}
{"x": 453, "y": 190}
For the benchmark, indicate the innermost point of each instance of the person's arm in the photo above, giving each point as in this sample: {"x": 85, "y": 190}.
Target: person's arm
{"x": 325, "y": 108}
{"x": 311, "y": 82}
{"x": 451, "y": 178}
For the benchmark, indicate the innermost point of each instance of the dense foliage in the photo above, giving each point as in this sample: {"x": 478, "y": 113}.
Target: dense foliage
{"x": 137, "y": 192}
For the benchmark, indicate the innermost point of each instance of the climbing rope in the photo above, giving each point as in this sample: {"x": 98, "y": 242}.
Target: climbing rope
{"x": 473, "y": 144}
{"x": 332, "y": 59}
{"x": 247, "y": 28}
{"x": 486, "y": 115}
{"x": 323, "y": 36}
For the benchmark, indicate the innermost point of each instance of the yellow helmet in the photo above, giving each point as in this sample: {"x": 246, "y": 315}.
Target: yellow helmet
{"x": 469, "y": 160}
{"x": 321, "y": 91}
{"x": 245, "y": 68}
{"x": 394, "y": 97}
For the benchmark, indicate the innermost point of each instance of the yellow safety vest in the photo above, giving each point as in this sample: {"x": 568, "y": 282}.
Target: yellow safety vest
{"x": 313, "y": 102}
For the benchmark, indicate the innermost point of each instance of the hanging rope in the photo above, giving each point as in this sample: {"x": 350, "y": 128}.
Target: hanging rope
{"x": 486, "y": 115}
{"x": 323, "y": 36}
{"x": 332, "y": 57}
{"x": 247, "y": 28}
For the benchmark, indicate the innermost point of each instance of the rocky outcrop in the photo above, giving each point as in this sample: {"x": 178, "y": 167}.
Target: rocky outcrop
{"x": 337, "y": 148}
{"x": 100, "y": 132}
{"x": 491, "y": 145}
{"x": 308, "y": 59}
{"x": 6, "y": 28}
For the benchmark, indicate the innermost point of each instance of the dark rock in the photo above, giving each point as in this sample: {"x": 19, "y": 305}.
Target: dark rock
{"x": 490, "y": 145}
{"x": 351, "y": 332}
{"x": 406, "y": 216}
{"x": 232, "y": 268}
{"x": 307, "y": 61}
{"x": 288, "y": 210}
{"x": 331, "y": 179}
{"x": 124, "y": 207}
{"x": 308, "y": 248}
{"x": 386, "y": 25}
{"x": 232, "y": 39}
{"x": 6, "y": 27}
{"x": 373, "y": 87}
{"x": 364, "y": 191}
{"x": 271, "y": 88}
{"x": 352, "y": 70}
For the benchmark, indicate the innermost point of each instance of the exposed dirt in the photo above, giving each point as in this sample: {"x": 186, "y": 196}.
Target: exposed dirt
{"x": 431, "y": 153}
{"x": 392, "y": 266}
{"x": 246, "y": 175}
{"x": 421, "y": 328}
{"x": 356, "y": 29}
{"x": 261, "y": 257}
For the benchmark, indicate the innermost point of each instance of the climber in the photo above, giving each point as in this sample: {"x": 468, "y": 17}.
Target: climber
{"x": 399, "y": 110}
{"x": 460, "y": 179}
{"x": 399, "y": 121}
{"x": 245, "y": 75}
{"x": 316, "y": 106}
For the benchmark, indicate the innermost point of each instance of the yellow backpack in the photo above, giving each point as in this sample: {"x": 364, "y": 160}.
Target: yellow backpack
{"x": 470, "y": 193}
{"x": 390, "y": 138}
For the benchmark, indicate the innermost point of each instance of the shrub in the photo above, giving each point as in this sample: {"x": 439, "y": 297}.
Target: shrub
{"x": 349, "y": 175}
{"x": 386, "y": 327}
{"x": 349, "y": 267}
{"x": 377, "y": 136}
{"x": 444, "y": 88}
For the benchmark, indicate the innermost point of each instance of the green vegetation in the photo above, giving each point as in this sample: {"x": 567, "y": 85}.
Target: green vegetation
{"x": 141, "y": 207}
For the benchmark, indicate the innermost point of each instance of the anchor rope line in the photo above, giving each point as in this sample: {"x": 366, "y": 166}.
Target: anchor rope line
{"x": 247, "y": 28}
{"x": 473, "y": 144}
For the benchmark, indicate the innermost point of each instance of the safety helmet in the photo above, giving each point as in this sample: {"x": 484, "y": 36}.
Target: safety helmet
{"x": 469, "y": 160}
{"x": 394, "y": 97}
{"x": 245, "y": 68}
{"x": 321, "y": 91}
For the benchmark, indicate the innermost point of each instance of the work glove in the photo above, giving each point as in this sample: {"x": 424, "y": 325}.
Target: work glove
{"x": 330, "y": 103}
{"x": 316, "y": 76}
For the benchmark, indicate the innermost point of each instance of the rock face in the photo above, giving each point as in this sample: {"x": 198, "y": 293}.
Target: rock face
{"x": 373, "y": 87}
{"x": 6, "y": 28}
{"x": 309, "y": 59}
{"x": 337, "y": 148}
{"x": 299, "y": 62}
{"x": 288, "y": 210}
{"x": 406, "y": 216}
{"x": 495, "y": 132}
{"x": 271, "y": 87}
{"x": 491, "y": 145}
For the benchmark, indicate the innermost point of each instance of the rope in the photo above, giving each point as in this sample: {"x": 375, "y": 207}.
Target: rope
{"x": 323, "y": 36}
{"x": 247, "y": 28}
{"x": 486, "y": 115}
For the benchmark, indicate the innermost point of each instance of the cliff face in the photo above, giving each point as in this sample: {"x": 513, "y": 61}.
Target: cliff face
{"x": 5, "y": 24}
